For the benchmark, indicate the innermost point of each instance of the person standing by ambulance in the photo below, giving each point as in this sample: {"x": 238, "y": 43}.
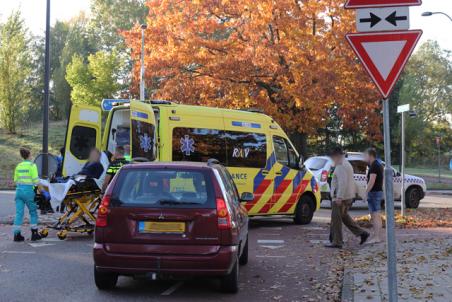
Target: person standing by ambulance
{"x": 26, "y": 178}
{"x": 118, "y": 161}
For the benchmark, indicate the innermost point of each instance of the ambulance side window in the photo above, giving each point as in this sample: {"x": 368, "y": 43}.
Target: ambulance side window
{"x": 246, "y": 149}
{"x": 198, "y": 144}
{"x": 83, "y": 139}
{"x": 284, "y": 152}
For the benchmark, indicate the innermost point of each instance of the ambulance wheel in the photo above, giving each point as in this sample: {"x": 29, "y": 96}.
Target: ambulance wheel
{"x": 304, "y": 210}
{"x": 105, "y": 281}
{"x": 62, "y": 234}
{"x": 230, "y": 282}
{"x": 243, "y": 260}
{"x": 413, "y": 197}
{"x": 44, "y": 233}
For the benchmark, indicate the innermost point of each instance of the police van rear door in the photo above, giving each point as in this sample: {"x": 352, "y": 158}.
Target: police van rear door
{"x": 143, "y": 134}
{"x": 82, "y": 135}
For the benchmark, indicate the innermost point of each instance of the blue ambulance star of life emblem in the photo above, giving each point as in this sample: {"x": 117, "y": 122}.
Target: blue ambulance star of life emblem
{"x": 145, "y": 142}
{"x": 187, "y": 145}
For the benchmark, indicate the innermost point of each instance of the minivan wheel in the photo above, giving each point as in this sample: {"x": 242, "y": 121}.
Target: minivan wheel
{"x": 243, "y": 260}
{"x": 105, "y": 281}
{"x": 304, "y": 210}
{"x": 413, "y": 197}
{"x": 230, "y": 282}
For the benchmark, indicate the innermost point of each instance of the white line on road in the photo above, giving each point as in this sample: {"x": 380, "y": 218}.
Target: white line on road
{"x": 265, "y": 241}
{"x": 172, "y": 289}
{"x": 17, "y": 252}
{"x": 8, "y": 192}
{"x": 269, "y": 256}
{"x": 272, "y": 247}
{"x": 40, "y": 244}
{"x": 319, "y": 241}
{"x": 312, "y": 228}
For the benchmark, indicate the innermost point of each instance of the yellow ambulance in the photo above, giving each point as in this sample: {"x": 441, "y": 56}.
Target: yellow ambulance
{"x": 254, "y": 148}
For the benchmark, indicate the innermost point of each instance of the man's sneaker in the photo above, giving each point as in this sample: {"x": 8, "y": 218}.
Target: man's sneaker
{"x": 364, "y": 237}
{"x": 333, "y": 246}
{"x": 35, "y": 235}
{"x": 18, "y": 237}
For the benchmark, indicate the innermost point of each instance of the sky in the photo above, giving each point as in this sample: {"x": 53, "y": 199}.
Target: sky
{"x": 436, "y": 27}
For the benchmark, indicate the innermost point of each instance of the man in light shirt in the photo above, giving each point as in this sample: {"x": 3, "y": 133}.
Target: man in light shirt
{"x": 343, "y": 190}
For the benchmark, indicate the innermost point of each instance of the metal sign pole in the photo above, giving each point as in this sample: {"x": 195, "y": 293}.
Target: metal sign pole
{"x": 389, "y": 201}
{"x": 142, "y": 96}
{"x": 402, "y": 197}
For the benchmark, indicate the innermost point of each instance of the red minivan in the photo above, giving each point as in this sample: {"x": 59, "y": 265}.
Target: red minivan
{"x": 165, "y": 220}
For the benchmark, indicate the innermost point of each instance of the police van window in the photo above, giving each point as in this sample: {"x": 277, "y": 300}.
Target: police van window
{"x": 83, "y": 139}
{"x": 143, "y": 140}
{"x": 281, "y": 152}
{"x": 246, "y": 149}
{"x": 198, "y": 144}
{"x": 359, "y": 167}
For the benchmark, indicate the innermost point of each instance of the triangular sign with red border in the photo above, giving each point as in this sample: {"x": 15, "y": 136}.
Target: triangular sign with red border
{"x": 380, "y": 3}
{"x": 384, "y": 55}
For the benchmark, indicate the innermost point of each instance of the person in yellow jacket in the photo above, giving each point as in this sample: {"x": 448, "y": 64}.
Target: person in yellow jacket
{"x": 26, "y": 178}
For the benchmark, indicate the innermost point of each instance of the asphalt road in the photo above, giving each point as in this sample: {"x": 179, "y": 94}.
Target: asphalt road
{"x": 287, "y": 263}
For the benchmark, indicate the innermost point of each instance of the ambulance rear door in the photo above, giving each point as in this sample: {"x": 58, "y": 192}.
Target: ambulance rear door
{"x": 82, "y": 135}
{"x": 142, "y": 132}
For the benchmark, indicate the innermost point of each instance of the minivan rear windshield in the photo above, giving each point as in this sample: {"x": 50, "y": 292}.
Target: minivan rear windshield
{"x": 163, "y": 188}
{"x": 315, "y": 163}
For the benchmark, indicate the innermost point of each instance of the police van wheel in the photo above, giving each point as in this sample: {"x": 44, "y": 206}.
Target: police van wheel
{"x": 304, "y": 210}
{"x": 413, "y": 197}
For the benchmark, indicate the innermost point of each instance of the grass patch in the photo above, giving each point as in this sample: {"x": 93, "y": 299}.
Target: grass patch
{"x": 432, "y": 172}
{"x": 30, "y": 137}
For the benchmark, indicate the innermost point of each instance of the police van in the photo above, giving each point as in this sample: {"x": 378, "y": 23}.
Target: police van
{"x": 254, "y": 148}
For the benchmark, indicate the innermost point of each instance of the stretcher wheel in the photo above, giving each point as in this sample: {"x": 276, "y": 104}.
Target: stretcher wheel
{"x": 44, "y": 233}
{"x": 62, "y": 234}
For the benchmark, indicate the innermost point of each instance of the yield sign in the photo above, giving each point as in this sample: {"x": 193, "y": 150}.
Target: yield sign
{"x": 380, "y": 3}
{"x": 384, "y": 55}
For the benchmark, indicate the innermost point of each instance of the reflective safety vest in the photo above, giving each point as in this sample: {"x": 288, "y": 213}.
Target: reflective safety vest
{"x": 26, "y": 173}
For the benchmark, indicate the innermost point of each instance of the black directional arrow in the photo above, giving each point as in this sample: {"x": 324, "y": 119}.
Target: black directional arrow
{"x": 373, "y": 20}
{"x": 393, "y": 18}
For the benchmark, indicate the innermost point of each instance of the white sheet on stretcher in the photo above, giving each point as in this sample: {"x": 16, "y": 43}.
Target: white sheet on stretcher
{"x": 57, "y": 191}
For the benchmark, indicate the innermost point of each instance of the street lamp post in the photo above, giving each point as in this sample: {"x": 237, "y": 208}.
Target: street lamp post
{"x": 428, "y": 14}
{"x": 45, "y": 124}
{"x": 143, "y": 28}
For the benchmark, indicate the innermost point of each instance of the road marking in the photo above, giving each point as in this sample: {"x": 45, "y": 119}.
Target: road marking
{"x": 268, "y": 241}
{"x": 269, "y": 256}
{"x": 8, "y": 192}
{"x": 18, "y": 252}
{"x": 172, "y": 289}
{"x": 40, "y": 244}
{"x": 319, "y": 241}
{"x": 313, "y": 228}
{"x": 50, "y": 240}
{"x": 272, "y": 247}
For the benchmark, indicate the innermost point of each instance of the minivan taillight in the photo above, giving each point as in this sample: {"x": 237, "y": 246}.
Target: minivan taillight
{"x": 324, "y": 176}
{"x": 102, "y": 212}
{"x": 224, "y": 218}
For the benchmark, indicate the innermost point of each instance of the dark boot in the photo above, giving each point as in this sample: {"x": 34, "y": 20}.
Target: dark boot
{"x": 18, "y": 237}
{"x": 35, "y": 235}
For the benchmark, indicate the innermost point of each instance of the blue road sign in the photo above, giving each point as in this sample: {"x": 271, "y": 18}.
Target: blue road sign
{"x": 107, "y": 104}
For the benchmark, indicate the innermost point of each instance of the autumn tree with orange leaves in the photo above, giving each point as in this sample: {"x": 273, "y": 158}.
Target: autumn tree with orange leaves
{"x": 289, "y": 58}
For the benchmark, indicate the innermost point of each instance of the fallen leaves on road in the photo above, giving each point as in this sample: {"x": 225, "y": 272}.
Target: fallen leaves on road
{"x": 416, "y": 218}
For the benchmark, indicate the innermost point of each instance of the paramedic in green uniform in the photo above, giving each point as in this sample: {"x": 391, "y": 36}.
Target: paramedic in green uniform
{"x": 26, "y": 178}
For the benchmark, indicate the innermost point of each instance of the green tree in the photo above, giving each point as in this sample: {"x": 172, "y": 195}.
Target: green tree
{"x": 14, "y": 71}
{"x": 95, "y": 80}
{"x": 110, "y": 17}
{"x": 427, "y": 86}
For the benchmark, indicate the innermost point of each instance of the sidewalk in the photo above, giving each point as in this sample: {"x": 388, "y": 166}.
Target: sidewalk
{"x": 424, "y": 268}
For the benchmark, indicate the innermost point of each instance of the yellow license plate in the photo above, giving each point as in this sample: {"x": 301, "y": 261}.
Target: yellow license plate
{"x": 162, "y": 227}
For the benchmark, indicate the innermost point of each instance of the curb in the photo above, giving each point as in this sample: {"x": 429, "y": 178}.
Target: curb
{"x": 347, "y": 294}
{"x": 439, "y": 192}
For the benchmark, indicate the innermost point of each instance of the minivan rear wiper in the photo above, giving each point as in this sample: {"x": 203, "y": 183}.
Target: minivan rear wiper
{"x": 173, "y": 202}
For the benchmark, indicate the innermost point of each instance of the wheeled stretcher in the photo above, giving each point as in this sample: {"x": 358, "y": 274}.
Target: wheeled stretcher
{"x": 80, "y": 198}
